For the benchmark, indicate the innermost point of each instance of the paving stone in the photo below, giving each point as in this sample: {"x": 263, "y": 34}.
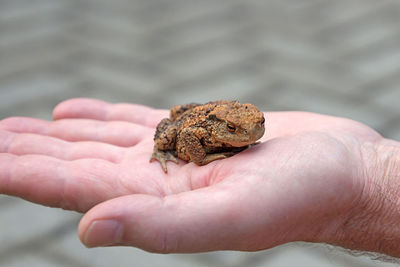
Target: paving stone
{"x": 232, "y": 258}
{"x": 124, "y": 256}
{"x": 329, "y": 76}
{"x": 332, "y": 18}
{"x": 16, "y": 92}
{"x": 389, "y": 97}
{"x": 15, "y": 227}
{"x": 300, "y": 97}
{"x": 6, "y": 201}
{"x": 22, "y": 8}
{"x": 239, "y": 85}
{"x": 19, "y": 64}
{"x": 30, "y": 260}
{"x": 124, "y": 79}
{"x": 116, "y": 93}
{"x": 392, "y": 129}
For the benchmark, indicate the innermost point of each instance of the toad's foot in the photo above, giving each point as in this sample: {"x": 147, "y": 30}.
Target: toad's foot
{"x": 163, "y": 157}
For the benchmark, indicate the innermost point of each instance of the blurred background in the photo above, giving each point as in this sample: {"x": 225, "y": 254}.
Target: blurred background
{"x": 337, "y": 57}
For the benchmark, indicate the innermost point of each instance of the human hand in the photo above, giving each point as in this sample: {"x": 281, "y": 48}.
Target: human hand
{"x": 303, "y": 182}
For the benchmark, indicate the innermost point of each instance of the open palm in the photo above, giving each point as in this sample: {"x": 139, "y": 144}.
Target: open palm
{"x": 95, "y": 156}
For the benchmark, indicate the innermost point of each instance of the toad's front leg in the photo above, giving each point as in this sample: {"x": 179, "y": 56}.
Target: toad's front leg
{"x": 163, "y": 157}
{"x": 189, "y": 148}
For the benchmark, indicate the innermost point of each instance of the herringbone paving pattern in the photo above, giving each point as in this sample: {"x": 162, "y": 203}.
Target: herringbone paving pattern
{"x": 337, "y": 57}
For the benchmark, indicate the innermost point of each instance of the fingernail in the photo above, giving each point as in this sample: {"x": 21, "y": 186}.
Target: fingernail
{"x": 103, "y": 233}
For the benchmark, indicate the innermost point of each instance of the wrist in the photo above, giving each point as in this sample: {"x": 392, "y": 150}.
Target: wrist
{"x": 374, "y": 222}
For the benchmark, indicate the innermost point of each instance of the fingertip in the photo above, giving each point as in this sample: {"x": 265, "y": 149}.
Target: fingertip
{"x": 23, "y": 124}
{"x": 80, "y": 107}
{"x": 102, "y": 233}
{"x": 7, "y": 122}
{"x": 126, "y": 220}
{"x": 62, "y": 108}
{"x": 82, "y": 229}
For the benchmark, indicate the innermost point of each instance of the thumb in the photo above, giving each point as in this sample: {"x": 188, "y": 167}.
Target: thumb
{"x": 195, "y": 221}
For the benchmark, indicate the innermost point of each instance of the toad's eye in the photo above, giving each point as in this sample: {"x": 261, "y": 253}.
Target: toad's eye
{"x": 263, "y": 120}
{"x": 231, "y": 127}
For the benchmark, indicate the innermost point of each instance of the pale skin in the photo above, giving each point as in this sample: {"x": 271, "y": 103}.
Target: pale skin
{"x": 313, "y": 178}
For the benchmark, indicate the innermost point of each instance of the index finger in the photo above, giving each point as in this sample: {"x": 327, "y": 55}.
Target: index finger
{"x": 100, "y": 110}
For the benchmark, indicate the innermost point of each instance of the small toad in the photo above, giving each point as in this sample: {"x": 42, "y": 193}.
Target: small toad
{"x": 204, "y": 133}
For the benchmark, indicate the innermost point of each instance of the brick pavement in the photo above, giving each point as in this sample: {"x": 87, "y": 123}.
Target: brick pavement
{"x": 335, "y": 57}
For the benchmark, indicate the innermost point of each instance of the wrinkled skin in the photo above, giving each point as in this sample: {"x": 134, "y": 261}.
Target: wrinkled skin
{"x": 301, "y": 183}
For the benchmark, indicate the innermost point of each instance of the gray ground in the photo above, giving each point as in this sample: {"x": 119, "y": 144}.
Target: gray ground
{"x": 337, "y": 57}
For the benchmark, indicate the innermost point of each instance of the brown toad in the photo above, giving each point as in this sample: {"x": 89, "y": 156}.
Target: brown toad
{"x": 204, "y": 133}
